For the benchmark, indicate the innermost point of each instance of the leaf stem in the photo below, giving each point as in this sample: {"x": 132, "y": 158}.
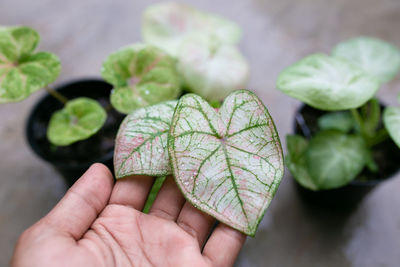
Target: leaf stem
{"x": 56, "y": 95}
{"x": 357, "y": 118}
{"x": 379, "y": 137}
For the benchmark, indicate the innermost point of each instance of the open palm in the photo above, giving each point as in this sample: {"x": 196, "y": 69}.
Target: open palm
{"x": 98, "y": 223}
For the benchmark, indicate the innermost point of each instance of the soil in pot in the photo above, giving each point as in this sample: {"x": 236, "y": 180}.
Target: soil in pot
{"x": 73, "y": 160}
{"x": 347, "y": 197}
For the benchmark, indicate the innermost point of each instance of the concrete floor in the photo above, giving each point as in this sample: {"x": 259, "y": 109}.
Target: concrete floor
{"x": 276, "y": 33}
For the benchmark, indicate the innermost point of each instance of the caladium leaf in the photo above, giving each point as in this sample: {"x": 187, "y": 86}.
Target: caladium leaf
{"x": 167, "y": 25}
{"x": 334, "y": 158}
{"x": 342, "y": 121}
{"x": 142, "y": 75}
{"x": 391, "y": 119}
{"x": 328, "y": 83}
{"x": 80, "y": 118}
{"x": 141, "y": 143}
{"x": 374, "y": 56}
{"x": 228, "y": 163}
{"x": 23, "y": 72}
{"x": 210, "y": 69}
{"x": 295, "y": 160}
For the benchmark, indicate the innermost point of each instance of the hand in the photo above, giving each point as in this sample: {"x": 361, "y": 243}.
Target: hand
{"x": 101, "y": 224}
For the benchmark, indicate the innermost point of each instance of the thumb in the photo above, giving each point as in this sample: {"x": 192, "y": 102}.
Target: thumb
{"x": 83, "y": 202}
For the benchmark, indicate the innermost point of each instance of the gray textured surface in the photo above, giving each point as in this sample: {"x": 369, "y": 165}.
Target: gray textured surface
{"x": 276, "y": 33}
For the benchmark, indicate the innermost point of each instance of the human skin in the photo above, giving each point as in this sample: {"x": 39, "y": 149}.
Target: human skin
{"x": 99, "y": 223}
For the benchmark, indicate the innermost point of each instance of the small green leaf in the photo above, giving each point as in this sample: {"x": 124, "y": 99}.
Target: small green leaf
{"x": 342, "y": 121}
{"x": 333, "y": 158}
{"x": 376, "y": 57}
{"x": 23, "y": 72}
{"x": 142, "y": 76}
{"x": 141, "y": 143}
{"x": 327, "y": 83}
{"x": 391, "y": 119}
{"x": 228, "y": 164}
{"x": 296, "y": 161}
{"x": 79, "y": 119}
{"x": 167, "y": 25}
{"x": 210, "y": 69}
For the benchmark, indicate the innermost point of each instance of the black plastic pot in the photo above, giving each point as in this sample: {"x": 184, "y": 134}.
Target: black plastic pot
{"x": 349, "y": 196}
{"x": 73, "y": 160}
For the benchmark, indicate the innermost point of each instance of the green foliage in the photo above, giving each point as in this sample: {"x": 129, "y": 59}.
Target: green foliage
{"x": 333, "y": 158}
{"x": 374, "y": 56}
{"x": 141, "y": 75}
{"x": 391, "y": 118}
{"x": 79, "y": 119}
{"x": 342, "y": 121}
{"x": 22, "y": 71}
{"x": 296, "y": 162}
{"x": 327, "y": 83}
{"x": 329, "y": 160}
{"x": 346, "y": 81}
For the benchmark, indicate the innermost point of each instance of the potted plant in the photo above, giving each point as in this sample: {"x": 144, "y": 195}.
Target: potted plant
{"x": 74, "y": 126}
{"x": 341, "y": 148}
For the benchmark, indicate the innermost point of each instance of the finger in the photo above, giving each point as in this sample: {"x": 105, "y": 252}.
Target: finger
{"x": 169, "y": 201}
{"x": 223, "y": 246}
{"x": 77, "y": 210}
{"x": 132, "y": 191}
{"x": 195, "y": 222}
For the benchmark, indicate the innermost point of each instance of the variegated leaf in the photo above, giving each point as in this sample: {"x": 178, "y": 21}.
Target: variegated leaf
{"x": 167, "y": 25}
{"x": 210, "y": 69}
{"x": 22, "y": 72}
{"x": 142, "y": 75}
{"x": 140, "y": 147}
{"x": 228, "y": 163}
{"x": 376, "y": 57}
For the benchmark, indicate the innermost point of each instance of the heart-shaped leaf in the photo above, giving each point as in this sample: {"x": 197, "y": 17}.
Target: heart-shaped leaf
{"x": 228, "y": 163}
{"x": 141, "y": 75}
{"x": 374, "y": 56}
{"x": 334, "y": 158}
{"x": 296, "y": 162}
{"x": 167, "y": 25}
{"x": 79, "y": 119}
{"x": 141, "y": 143}
{"x": 23, "y": 72}
{"x": 391, "y": 119}
{"x": 210, "y": 69}
{"x": 328, "y": 83}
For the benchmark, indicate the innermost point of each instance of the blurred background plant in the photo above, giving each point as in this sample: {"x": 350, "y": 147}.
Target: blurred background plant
{"x": 346, "y": 137}
{"x": 196, "y": 49}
